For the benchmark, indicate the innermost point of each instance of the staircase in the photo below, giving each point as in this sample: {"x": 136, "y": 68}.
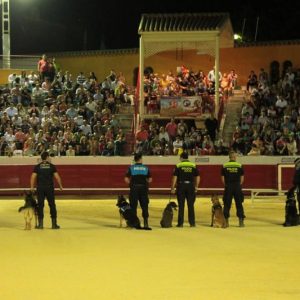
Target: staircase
{"x": 125, "y": 117}
{"x": 233, "y": 115}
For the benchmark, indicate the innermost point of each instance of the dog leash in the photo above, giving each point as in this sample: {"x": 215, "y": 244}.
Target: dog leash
{"x": 170, "y": 197}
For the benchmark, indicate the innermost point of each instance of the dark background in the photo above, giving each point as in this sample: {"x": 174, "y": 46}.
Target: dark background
{"x": 39, "y": 26}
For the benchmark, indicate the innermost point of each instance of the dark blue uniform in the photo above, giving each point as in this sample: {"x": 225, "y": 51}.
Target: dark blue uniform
{"x": 186, "y": 172}
{"x": 139, "y": 174}
{"x": 296, "y": 183}
{"x": 45, "y": 187}
{"x": 232, "y": 172}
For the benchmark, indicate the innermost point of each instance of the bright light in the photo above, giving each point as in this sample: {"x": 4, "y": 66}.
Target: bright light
{"x": 237, "y": 36}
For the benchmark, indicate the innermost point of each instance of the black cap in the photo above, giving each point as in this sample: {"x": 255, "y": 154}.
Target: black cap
{"x": 137, "y": 156}
{"x": 184, "y": 155}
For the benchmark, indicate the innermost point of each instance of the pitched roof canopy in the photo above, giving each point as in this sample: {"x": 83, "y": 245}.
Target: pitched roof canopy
{"x": 182, "y": 22}
{"x": 187, "y": 28}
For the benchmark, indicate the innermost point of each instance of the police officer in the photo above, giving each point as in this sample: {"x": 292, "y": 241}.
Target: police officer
{"x": 42, "y": 178}
{"x": 186, "y": 179}
{"x": 296, "y": 180}
{"x": 138, "y": 177}
{"x": 232, "y": 178}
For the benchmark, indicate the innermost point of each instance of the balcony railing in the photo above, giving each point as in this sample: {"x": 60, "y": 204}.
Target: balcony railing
{"x": 22, "y": 62}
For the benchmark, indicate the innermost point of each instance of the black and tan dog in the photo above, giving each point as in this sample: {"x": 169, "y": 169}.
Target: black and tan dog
{"x": 29, "y": 209}
{"x": 217, "y": 216}
{"x": 291, "y": 213}
{"x": 167, "y": 216}
{"x": 128, "y": 214}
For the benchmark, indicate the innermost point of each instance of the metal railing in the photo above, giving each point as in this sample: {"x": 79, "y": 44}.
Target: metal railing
{"x": 22, "y": 62}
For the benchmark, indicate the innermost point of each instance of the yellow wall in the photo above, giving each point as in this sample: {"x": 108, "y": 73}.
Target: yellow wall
{"x": 4, "y": 75}
{"x": 101, "y": 65}
{"x": 241, "y": 59}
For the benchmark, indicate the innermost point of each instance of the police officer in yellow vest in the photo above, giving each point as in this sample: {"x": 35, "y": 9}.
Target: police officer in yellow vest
{"x": 233, "y": 178}
{"x": 186, "y": 179}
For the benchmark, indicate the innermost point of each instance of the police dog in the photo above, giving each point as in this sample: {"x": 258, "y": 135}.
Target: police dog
{"x": 29, "y": 209}
{"x": 217, "y": 216}
{"x": 167, "y": 216}
{"x": 291, "y": 214}
{"x": 127, "y": 214}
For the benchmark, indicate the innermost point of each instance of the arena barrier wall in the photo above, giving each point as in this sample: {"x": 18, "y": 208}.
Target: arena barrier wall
{"x": 106, "y": 174}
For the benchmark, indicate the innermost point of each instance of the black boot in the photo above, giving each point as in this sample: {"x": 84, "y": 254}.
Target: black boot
{"x": 241, "y": 223}
{"x": 146, "y": 223}
{"x": 226, "y": 223}
{"x": 54, "y": 224}
{"x": 40, "y": 224}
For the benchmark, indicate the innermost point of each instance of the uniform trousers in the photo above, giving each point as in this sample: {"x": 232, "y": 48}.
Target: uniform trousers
{"x": 186, "y": 191}
{"x": 47, "y": 193}
{"x": 139, "y": 194}
{"x": 233, "y": 191}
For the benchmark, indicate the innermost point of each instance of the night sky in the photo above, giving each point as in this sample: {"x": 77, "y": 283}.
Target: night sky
{"x": 39, "y": 26}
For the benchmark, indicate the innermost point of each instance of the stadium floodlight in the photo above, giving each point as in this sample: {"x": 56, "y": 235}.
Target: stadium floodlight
{"x": 5, "y": 33}
{"x": 236, "y": 36}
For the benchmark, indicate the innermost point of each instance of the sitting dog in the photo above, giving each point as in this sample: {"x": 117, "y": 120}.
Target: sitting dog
{"x": 167, "y": 216}
{"x": 217, "y": 216}
{"x": 291, "y": 214}
{"x": 127, "y": 214}
{"x": 29, "y": 209}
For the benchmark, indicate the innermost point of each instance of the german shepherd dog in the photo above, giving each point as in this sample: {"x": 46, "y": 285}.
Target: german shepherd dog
{"x": 167, "y": 216}
{"x": 29, "y": 209}
{"x": 217, "y": 216}
{"x": 127, "y": 214}
{"x": 291, "y": 213}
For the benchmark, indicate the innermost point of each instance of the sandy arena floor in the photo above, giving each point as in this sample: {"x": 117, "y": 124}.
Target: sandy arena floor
{"x": 92, "y": 258}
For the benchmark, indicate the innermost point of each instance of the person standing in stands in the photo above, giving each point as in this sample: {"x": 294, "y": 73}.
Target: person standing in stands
{"x": 232, "y": 175}
{"x": 186, "y": 179}
{"x": 211, "y": 125}
{"x": 42, "y": 178}
{"x": 138, "y": 177}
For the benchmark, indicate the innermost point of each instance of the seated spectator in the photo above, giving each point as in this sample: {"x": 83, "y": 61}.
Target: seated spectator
{"x": 70, "y": 151}
{"x": 220, "y": 148}
{"x": 281, "y": 146}
{"x": 177, "y": 145}
{"x": 207, "y": 146}
{"x": 291, "y": 146}
{"x": 254, "y": 150}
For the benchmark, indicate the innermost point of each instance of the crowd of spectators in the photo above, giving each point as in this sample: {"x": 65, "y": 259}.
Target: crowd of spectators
{"x": 186, "y": 83}
{"x": 270, "y": 117}
{"x": 50, "y": 111}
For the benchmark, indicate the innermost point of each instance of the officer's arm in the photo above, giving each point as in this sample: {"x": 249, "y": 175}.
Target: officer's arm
{"x": 197, "y": 183}
{"x": 32, "y": 181}
{"x": 223, "y": 179}
{"x": 127, "y": 180}
{"x": 174, "y": 181}
{"x": 149, "y": 179}
{"x": 58, "y": 179}
{"x": 242, "y": 180}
